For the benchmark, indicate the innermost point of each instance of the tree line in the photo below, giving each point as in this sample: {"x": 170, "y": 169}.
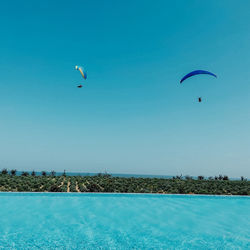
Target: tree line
{"x": 50, "y": 182}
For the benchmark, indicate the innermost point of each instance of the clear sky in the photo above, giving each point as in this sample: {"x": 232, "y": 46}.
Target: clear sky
{"x": 132, "y": 115}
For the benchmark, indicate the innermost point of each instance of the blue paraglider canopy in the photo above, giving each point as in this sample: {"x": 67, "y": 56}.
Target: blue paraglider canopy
{"x": 197, "y": 72}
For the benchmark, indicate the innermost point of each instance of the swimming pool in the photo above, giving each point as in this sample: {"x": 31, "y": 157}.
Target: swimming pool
{"x": 123, "y": 221}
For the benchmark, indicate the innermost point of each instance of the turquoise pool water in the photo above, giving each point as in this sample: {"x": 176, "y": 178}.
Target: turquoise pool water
{"x": 123, "y": 221}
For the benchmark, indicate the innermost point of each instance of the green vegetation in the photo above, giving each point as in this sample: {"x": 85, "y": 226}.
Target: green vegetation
{"x": 220, "y": 185}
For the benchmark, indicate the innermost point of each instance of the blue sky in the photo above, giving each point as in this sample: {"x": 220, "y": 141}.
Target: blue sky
{"x": 131, "y": 116}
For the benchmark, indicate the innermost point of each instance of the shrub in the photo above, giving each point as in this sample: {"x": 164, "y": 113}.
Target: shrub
{"x": 13, "y": 172}
{"x": 53, "y": 173}
{"x": 25, "y": 174}
{"x": 55, "y": 188}
{"x": 225, "y": 178}
{"x": 4, "y": 171}
{"x": 44, "y": 173}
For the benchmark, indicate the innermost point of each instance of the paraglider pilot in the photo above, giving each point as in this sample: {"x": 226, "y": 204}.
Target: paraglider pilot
{"x": 83, "y": 73}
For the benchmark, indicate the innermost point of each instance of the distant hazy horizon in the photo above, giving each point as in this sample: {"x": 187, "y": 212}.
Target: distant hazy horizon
{"x": 85, "y": 173}
{"x": 131, "y": 116}
{"x": 39, "y": 173}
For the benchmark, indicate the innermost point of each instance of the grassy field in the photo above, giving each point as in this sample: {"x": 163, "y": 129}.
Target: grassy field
{"x": 106, "y": 183}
